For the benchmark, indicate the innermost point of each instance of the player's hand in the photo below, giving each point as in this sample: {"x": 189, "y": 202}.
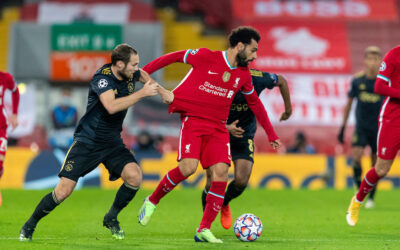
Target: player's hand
{"x": 13, "y": 121}
{"x": 150, "y": 88}
{"x": 340, "y": 136}
{"x": 276, "y": 144}
{"x": 234, "y": 130}
{"x": 285, "y": 115}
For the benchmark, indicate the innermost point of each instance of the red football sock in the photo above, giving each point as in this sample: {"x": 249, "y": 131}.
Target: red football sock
{"x": 1, "y": 168}
{"x": 215, "y": 199}
{"x": 369, "y": 182}
{"x": 170, "y": 180}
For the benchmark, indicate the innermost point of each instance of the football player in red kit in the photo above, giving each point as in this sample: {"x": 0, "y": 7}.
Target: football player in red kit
{"x": 387, "y": 84}
{"x": 203, "y": 99}
{"x": 7, "y": 82}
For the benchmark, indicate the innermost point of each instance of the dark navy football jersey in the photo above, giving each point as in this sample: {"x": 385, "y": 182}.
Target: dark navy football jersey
{"x": 97, "y": 125}
{"x": 368, "y": 103}
{"x": 240, "y": 109}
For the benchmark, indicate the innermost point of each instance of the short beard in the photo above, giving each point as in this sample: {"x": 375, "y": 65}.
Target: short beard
{"x": 122, "y": 74}
{"x": 241, "y": 58}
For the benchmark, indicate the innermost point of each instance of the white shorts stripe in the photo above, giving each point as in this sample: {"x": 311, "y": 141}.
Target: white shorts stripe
{"x": 180, "y": 138}
{"x": 379, "y": 133}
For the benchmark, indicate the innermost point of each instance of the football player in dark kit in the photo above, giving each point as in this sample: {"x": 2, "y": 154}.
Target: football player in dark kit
{"x": 97, "y": 138}
{"x": 367, "y": 112}
{"x": 242, "y": 126}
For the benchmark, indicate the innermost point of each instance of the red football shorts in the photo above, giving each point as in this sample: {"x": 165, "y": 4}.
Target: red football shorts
{"x": 3, "y": 140}
{"x": 388, "y": 141}
{"x": 205, "y": 140}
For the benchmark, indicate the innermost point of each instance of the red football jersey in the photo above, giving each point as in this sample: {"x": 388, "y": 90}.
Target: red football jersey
{"x": 209, "y": 87}
{"x": 390, "y": 73}
{"x": 6, "y": 82}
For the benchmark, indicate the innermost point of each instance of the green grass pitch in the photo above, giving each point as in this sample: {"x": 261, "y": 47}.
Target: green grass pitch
{"x": 292, "y": 219}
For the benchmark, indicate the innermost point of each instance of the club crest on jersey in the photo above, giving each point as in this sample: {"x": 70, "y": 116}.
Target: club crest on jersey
{"x": 103, "y": 83}
{"x": 362, "y": 86}
{"x": 236, "y": 82}
{"x": 226, "y": 76}
{"x": 131, "y": 87}
{"x": 383, "y": 66}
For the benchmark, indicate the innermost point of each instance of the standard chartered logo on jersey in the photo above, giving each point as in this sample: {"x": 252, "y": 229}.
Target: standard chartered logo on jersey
{"x": 216, "y": 90}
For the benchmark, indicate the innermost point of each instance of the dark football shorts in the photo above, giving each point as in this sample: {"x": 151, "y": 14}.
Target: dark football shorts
{"x": 363, "y": 137}
{"x": 242, "y": 148}
{"x": 82, "y": 158}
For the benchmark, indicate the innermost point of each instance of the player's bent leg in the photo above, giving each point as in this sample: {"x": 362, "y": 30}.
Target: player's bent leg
{"x": 46, "y": 205}
{"x": 132, "y": 176}
{"x": 186, "y": 168}
{"x": 371, "y": 178}
{"x": 215, "y": 199}
{"x": 357, "y": 153}
{"x": 243, "y": 169}
{"x": 370, "y": 202}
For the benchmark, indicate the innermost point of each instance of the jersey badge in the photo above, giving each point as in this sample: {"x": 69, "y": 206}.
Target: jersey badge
{"x": 236, "y": 82}
{"x": 194, "y": 51}
{"x": 102, "y": 83}
{"x": 383, "y": 66}
{"x": 362, "y": 86}
{"x": 226, "y": 76}
{"x": 106, "y": 71}
{"x": 131, "y": 87}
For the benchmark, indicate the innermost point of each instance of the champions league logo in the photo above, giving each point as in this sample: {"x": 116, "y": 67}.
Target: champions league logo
{"x": 103, "y": 83}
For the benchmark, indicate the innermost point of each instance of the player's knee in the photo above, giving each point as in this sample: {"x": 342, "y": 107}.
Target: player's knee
{"x": 134, "y": 176}
{"x": 241, "y": 182}
{"x": 63, "y": 193}
{"x": 220, "y": 173}
{"x": 382, "y": 170}
{"x": 187, "y": 169}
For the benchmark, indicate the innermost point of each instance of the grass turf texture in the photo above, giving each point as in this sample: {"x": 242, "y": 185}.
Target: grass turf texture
{"x": 292, "y": 220}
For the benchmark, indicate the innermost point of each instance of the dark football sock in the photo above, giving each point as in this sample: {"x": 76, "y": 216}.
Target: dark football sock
{"x": 204, "y": 198}
{"x": 232, "y": 192}
{"x": 45, "y": 206}
{"x": 124, "y": 195}
{"x": 357, "y": 174}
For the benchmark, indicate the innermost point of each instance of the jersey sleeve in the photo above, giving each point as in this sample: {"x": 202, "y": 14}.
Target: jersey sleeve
{"x": 197, "y": 56}
{"x": 136, "y": 76}
{"x": 353, "y": 91}
{"x": 248, "y": 87}
{"x": 101, "y": 84}
{"x": 10, "y": 83}
{"x": 388, "y": 65}
{"x": 269, "y": 80}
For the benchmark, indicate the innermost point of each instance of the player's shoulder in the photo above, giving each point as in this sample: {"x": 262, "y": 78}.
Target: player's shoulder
{"x": 103, "y": 76}
{"x": 256, "y": 73}
{"x": 202, "y": 51}
{"x": 5, "y": 75}
{"x": 359, "y": 75}
{"x": 393, "y": 53}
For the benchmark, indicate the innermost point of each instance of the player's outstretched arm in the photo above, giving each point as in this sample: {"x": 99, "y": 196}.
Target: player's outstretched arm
{"x": 166, "y": 95}
{"x": 382, "y": 88}
{"x": 114, "y": 105}
{"x": 259, "y": 111}
{"x": 15, "y": 103}
{"x": 347, "y": 109}
{"x": 164, "y": 60}
{"x": 284, "y": 89}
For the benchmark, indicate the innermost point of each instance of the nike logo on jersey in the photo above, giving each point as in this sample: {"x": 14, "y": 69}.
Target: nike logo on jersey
{"x": 212, "y": 73}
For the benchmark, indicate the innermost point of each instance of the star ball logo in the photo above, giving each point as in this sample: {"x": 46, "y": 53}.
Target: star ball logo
{"x": 102, "y": 83}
